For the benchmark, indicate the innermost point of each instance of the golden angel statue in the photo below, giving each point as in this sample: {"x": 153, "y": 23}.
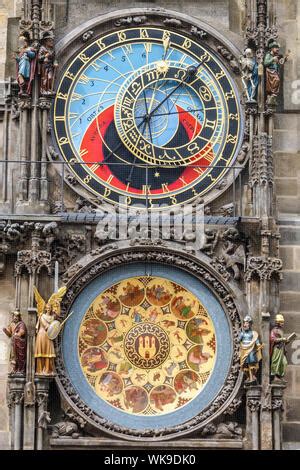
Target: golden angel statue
{"x": 47, "y": 328}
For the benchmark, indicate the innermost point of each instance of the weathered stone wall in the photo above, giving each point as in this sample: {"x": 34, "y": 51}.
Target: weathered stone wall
{"x": 287, "y": 180}
{"x": 78, "y": 11}
{"x": 9, "y": 9}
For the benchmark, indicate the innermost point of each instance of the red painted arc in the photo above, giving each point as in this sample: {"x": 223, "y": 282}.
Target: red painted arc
{"x": 91, "y": 150}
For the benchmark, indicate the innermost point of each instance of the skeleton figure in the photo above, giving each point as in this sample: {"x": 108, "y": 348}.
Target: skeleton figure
{"x": 249, "y": 74}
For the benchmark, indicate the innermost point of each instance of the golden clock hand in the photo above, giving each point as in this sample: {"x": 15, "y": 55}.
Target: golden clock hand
{"x": 153, "y": 95}
{"x": 190, "y": 73}
{"x": 166, "y": 44}
{"x": 147, "y": 114}
{"x": 149, "y": 126}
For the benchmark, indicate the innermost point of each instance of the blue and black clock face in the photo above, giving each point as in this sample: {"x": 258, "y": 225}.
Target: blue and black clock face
{"x": 147, "y": 114}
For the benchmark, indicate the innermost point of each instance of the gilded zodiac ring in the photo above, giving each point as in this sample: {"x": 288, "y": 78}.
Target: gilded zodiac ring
{"x": 146, "y": 345}
{"x": 131, "y": 124}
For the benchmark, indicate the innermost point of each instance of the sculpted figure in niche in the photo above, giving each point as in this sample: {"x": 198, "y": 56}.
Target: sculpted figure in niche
{"x": 273, "y": 62}
{"x": 249, "y": 74}
{"x": 250, "y": 351}
{"x": 26, "y": 64}
{"x": 278, "y": 343}
{"x": 47, "y": 314}
{"x": 47, "y": 64}
{"x": 17, "y": 332}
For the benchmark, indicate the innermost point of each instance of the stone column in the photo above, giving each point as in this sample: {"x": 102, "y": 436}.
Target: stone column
{"x": 24, "y": 107}
{"x": 15, "y": 400}
{"x": 277, "y": 408}
{"x": 4, "y": 165}
{"x": 43, "y": 418}
{"x": 44, "y": 105}
{"x": 30, "y": 392}
{"x": 33, "y": 187}
{"x": 34, "y": 183}
{"x": 31, "y": 261}
{"x": 253, "y": 397}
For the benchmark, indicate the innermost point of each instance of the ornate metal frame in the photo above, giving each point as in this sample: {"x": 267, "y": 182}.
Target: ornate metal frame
{"x": 227, "y": 295}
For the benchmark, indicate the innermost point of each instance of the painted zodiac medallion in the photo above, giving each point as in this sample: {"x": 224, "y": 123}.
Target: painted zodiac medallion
{"x": 147, "y": 345}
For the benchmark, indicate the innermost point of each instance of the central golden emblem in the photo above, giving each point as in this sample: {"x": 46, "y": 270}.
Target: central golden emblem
{"x": 146, "y": 345}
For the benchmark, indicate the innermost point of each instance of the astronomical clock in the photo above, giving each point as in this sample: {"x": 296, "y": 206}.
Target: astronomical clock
{"x": 147, "y": 115}
{"x": 131, "y": 125}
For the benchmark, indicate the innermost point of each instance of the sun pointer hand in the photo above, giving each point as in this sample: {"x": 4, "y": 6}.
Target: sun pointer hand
{"x": 191, "y": 72}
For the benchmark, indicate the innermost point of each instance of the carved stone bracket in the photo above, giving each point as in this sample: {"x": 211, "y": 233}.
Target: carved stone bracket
{"x": 24, "y": 103}
{"x": 44, "y": 103}
{"x": 12, "y": 234}
{"x": 25, "y": 26}
{"x": 167, "y": 257}
{"x": 15, "y": 397}
{"x": 46, "y": 27}
{"x": 15, "y": 391}
{"x": 264, "y": 268}
{"x": 277, "y": 404}
{"x": 33, "y": 261}
{"x": 253, "y": 404}
{"x": 277, "y": 401}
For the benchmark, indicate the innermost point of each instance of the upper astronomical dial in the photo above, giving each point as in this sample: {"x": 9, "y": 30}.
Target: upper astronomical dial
{"x": 147, "y": 112}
